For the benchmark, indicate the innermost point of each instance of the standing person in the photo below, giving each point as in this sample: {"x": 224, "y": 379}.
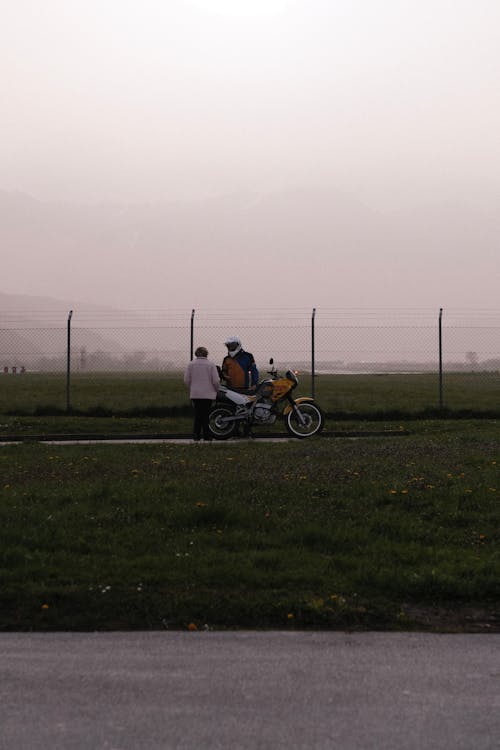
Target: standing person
{"x": 238, "y": 367}
{"x": 202, "y": 379}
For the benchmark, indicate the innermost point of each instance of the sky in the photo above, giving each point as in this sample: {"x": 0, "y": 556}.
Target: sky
{"x": 391, "y": 102}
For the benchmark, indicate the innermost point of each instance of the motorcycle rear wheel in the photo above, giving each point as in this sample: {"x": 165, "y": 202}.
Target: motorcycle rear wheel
{"x": 219, "y": 429}
{"x": 313, "y": 417}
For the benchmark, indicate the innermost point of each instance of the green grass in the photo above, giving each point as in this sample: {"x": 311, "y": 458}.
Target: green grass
{"x": 326, "y": 533}
{"x": 36, "y": 404}
{"x": 408, "y": 395}
{"x": 40, "y": 393}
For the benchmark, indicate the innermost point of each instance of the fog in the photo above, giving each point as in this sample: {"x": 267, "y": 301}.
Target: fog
{"x": 231, "y": 153}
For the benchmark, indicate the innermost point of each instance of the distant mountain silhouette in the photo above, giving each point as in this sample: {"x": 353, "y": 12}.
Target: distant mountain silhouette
{"x": 33, "y": 329}
{"x": 300, "y": 217}
{"x": 27, "y": 303}
{"x": 154, "y": 251}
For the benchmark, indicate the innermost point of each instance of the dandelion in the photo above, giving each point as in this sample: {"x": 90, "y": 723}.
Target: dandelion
{"x": 45, "y": 606}
{"x": 290, "y": 616}
{"x": 192, "y": 626}
{"x": 200, "y": 505}
{"x": 393, "y": 492}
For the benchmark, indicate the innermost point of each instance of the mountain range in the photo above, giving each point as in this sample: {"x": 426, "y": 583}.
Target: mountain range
{"x": 295, "y": 248}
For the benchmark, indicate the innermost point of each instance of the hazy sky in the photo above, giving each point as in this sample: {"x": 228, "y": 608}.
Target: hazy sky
{"x": 141, "y": 100}
{"x": 347, "y": 152}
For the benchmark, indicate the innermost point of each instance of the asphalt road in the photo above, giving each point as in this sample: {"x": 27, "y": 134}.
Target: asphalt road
{"x": 258, "y": 690}
{"x": 88, "y": 438}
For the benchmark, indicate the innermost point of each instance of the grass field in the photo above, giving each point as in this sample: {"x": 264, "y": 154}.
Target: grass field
{"x": 36, "y": 404}
{"x": 397, "y": 533}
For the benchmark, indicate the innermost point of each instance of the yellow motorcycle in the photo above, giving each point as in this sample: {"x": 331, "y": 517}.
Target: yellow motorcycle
{"x": 272, "y": 398}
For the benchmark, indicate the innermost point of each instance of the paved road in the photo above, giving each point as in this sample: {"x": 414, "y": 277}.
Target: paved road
{"x": 135, "y": 691}
{"x": 86, "y": 439}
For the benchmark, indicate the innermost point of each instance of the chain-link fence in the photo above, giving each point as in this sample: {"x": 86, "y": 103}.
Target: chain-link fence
{"x": 456, "y": 352}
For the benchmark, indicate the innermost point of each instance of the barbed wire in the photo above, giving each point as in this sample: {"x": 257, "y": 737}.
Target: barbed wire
{"x": 256, "y": 313}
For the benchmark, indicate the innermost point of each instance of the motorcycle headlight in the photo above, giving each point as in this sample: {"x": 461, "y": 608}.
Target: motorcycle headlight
{"x": 290, "y": 375}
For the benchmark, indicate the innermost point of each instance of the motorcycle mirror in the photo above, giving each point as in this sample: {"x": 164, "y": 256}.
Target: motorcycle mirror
{"x": 271, "y": 361}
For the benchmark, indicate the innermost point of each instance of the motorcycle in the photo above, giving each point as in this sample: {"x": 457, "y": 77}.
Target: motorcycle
{"x": 272, "y": 398}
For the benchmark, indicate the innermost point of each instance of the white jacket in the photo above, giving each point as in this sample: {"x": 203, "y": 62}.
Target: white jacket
{"x": 202, "y": 378}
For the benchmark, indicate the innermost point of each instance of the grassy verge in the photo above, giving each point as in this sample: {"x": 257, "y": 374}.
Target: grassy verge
{"x": 164, "y": 397}
{"x": 398, "y": 533}
{"x": 26, "y": 426}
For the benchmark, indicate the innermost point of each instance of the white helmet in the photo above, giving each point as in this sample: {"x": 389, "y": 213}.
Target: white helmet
{"x": 233, "y": 344}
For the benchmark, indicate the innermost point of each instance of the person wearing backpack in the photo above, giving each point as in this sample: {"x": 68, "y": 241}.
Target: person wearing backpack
{"x": 238, "y": 367}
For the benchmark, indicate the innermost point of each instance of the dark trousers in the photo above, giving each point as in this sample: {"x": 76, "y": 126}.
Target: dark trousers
{"x": 201, "y": 412}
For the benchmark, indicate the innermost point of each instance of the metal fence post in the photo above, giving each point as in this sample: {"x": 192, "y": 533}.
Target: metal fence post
{"x": 440, "y": 358}
{"x": 191, "y": 347}
{"x": 313, "y": 354}
{"x": 68, "y": 362}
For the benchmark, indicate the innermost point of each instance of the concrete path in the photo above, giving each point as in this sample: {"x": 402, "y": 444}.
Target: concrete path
{"x": 249, "y": 690}
{"x": 176, "y": 438}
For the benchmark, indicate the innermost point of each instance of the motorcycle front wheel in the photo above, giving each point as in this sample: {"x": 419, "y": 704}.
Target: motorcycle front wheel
{"x": 220, "y": 429}
{"x": 310, "y": 422}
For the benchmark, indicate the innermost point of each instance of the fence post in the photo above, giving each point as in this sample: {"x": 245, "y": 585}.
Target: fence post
{"x": 191, "y": 347}
{"x": 313, "y": 354}
{"x": 68, "y": 362}
{"x": 440, "y": 358}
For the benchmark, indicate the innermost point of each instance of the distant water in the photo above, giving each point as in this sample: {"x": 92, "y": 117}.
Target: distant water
{"x": 374, "y": 372}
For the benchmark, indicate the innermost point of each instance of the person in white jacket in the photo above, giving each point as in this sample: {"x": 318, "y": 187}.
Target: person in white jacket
{"x": 202, "y": 379}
